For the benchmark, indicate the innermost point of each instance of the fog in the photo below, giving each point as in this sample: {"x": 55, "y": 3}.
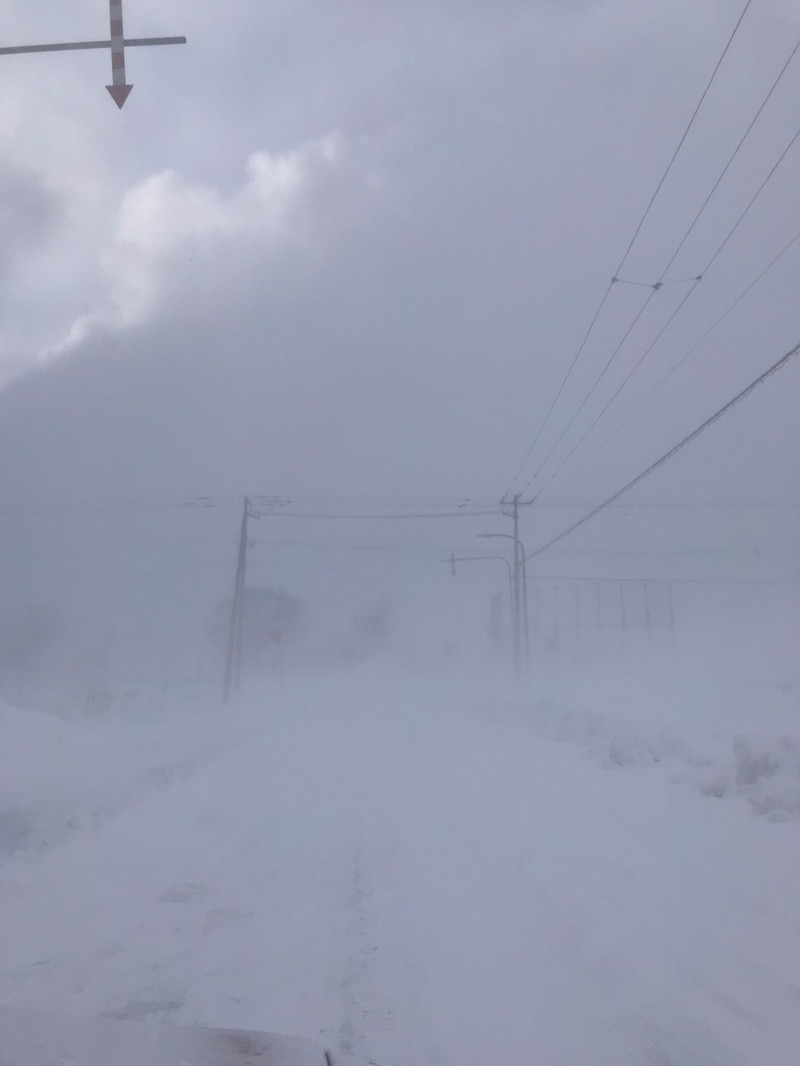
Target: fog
{"x": 358, "y": 273}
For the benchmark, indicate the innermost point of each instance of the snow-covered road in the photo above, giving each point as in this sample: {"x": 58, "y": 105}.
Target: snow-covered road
{"x": 408, "y": 874}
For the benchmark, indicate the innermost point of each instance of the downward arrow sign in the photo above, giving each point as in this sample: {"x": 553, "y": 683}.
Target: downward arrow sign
{"x": 120, "y": 90}
{"x": 119, "y": 93}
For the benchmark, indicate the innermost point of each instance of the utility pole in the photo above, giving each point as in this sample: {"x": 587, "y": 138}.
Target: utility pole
{"x": 515, "y": 518}
{"x": 520, "y": 579}
{"x": 233, "y": 662}
{"x": 524, "y": 578}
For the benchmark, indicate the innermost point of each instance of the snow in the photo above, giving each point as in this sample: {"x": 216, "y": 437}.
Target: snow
{"x": 34, "y": 1039}
{"x": 420, "y": 870}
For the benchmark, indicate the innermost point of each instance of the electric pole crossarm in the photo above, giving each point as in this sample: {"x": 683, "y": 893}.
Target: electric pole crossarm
{"x": 76, "y": 46}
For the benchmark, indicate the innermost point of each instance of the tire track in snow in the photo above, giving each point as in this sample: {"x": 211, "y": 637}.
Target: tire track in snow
{"x": 351, "y": 1035}
{"x": 384, "y": 1019}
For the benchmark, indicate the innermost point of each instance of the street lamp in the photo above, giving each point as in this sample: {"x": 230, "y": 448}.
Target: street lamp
{"x": 519, "y": 565}
{"x": 478, "y": 558}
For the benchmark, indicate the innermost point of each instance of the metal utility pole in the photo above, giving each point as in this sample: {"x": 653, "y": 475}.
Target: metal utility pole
{"x": 233, "y": 662}
{"x": 119, "y": 89}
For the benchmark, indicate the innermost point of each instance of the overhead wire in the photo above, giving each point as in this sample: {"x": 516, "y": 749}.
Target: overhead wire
{"x": 386, "y": 501}
{"x": 666, "y": 505}
{"x": 733, "y": 156}
{"x": 564, "y": 381}
{"x": 625, "y": 381}
{"x": 779, "y": 365}
{"x": 752, "y": 201}
{"x": 402, "y": 549}
{"x": 685, "y": 135}
{"x": 670, "y": 320}
{"x": 586, "y": 398}
{"x": 670, "y": 580}
{"x": 661, "y": 281}
{"x": 458, "y": 506}
{"x": 112, "y": 506}
{"x": 633, "y": 239}
{"x": 678, "y": 553}
{"x": 731, "y": 307}
{"x": 398, "y": 516}
{"x": 675, "y": 254}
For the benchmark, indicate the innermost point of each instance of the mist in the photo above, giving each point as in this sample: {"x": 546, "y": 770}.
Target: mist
{"x": 399, "y": 590}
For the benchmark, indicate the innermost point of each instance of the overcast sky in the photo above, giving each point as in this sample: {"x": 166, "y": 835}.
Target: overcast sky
{"x": 348, "y": 250}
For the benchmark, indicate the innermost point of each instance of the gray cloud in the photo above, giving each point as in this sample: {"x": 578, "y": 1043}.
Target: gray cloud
{"x": 30, "y": 213}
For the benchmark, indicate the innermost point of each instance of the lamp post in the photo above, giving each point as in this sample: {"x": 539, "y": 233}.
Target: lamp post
{"x": 479, "y": 558}
{"x": 520, "y": 571}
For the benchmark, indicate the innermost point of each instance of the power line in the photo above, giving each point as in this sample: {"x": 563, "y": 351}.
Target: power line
{"x": 620, "y": 387}
{"x": 564, "y": 381}
{"x": 670, "y": 580}
{"x": 412, "y": 549}
{"x": 112, "y": 506}
{"x": 397, "y": 516}
{"x": 745, "y": 292}
{"x": 673, "y": 451}
{"x": 708, "y": 266}
{"x": 586, "y": 398}
{"x": 660, "y": 282}
{"x": 685, "y": 135}
{"x": 680, "y": 553}
{"x": 736, "y": 150}
{"x": 371, "y": 501}
{"x": 629, "y": 248}
{"x": 640, "y": 505}
{"x": 755, "y": 196}
{"x": 460, "y": 506}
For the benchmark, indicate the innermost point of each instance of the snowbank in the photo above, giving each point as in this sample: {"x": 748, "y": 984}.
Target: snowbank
{"x": 60, "y": 776}
{"x": 727, "y": 737}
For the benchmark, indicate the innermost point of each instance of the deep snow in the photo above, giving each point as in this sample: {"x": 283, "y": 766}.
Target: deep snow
{"x": 427, "y": 871}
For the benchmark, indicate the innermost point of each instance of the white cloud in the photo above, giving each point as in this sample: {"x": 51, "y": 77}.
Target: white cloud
{"x": 167, "y": 210}
{"x": 172, "y": 234}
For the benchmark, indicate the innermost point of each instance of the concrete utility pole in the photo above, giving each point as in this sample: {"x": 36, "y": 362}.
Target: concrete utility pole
{"x": 119, "y": 89}
{"x": 233, "y": 664}
{"x": 522, "y": 574}
{"x": 520, "y": 597}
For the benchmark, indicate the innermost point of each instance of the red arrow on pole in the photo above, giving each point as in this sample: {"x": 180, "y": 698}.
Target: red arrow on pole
{"x": 119, "y": 90}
